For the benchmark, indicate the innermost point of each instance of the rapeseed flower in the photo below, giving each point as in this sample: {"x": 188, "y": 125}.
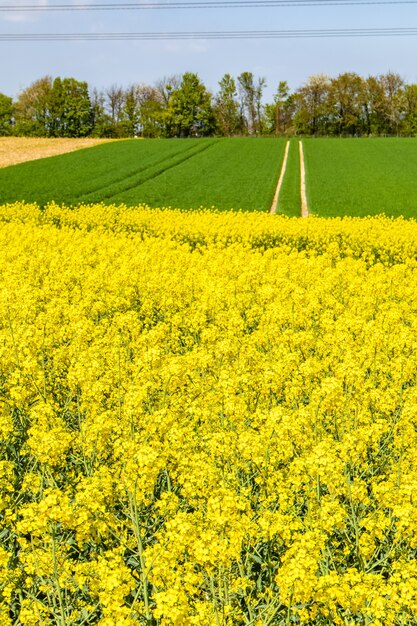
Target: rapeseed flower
{"x": 206, "y": 419}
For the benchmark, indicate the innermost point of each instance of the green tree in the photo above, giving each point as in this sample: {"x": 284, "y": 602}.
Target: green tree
{"x": 32, "y": 108}
{"x": 279, "y": 113}
{"x": 70, "y": 113}
{"x": 394, "y": 104}
{"x": 227, "y": 107}
{"x": 251, "y": 92}
{"x": 152, "y": 105}
{"x": 166, "y": 86}
{"x": 373, "y": 106}
{"x": 152, "y": 119}
{"x": 312, "y": 107}
{"x": 54, "y": 108}
{"x": 189, "y": 112}
{"x": 100, "y": 120}
{"x": 385, "y": 103}
{"x": 6, "y": 115}
{"x": 409, "y": 125}
{"x": 131, "y": 111}
{"x": 115, "y": 103}
{"x": 345, "y": 104}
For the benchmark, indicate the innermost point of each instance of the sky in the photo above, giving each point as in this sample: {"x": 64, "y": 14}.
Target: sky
{"x": 105, "y": 63}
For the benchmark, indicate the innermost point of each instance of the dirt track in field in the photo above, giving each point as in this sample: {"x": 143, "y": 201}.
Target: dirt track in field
{"x": 19, "y": 149}
{"x": 274, "y": 204}
{"x": 304, "y": 205}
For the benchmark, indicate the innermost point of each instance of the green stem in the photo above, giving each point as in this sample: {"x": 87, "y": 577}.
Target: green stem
{"x": 136, "y": 529}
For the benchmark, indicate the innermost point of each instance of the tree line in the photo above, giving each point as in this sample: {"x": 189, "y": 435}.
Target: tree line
{"x": 182, "y": 106}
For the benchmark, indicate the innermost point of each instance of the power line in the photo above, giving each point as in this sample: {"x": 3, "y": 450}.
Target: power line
{"x": 191, "y": 4}
{"x": 226, "y": 35}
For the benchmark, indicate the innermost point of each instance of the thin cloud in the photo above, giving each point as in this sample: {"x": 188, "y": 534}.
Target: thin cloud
{"x": 188, "y": 47}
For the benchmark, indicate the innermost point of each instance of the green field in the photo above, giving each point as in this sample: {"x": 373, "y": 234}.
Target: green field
{"x": 238, "y": 173}
{"x": 356, "y": 177}
{"x": 360, "y": 177}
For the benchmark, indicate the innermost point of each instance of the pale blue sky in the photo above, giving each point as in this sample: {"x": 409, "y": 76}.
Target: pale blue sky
{"x": 124, "y": 63}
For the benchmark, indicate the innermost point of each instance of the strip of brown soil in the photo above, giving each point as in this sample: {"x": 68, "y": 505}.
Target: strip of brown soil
{"x": 19, "y": 149}
{"x": 304, "y": 206}
{"x": 274, "y": 204}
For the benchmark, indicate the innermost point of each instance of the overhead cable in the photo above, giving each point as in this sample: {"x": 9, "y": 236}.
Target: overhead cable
{"x": 191, "y": 4}
{"x": 203, "y": 35}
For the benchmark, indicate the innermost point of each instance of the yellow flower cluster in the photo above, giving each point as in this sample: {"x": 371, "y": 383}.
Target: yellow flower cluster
{"x": 206, "y": 419}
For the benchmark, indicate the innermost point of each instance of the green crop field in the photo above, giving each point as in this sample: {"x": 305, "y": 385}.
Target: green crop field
{"x": 356, "y": 177}
{"x": 360, "y": 177}
{"x": 186, "y": 173}
{"x": 233, "y": 173}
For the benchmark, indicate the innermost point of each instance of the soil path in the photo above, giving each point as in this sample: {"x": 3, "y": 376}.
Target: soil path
{"x": 274, "y": 204}
{"x": 304, "y": 206}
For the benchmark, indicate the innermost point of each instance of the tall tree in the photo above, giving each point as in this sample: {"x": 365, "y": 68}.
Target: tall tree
{"x": 166, "y": 86}
{"x": 279, "y": 113}
{"x": 393, "y": 90}
{"x": 189, "y": 111}
{"x": 152, "y": 105}
{"x": 131, "y": 111}
{"x": 385, "y": 103}
{"x": 32, "y": 108}
{"x": 70, "y": 113}
{"x": 56, "y": 109}
{"x": 373, "y": 106}
{"x": 260, "y": 86}
{"x": 227, "y": 107}
{"x": 100, "y": 119}
{"x": 312, "y": 111}
{"x": 251, "y": 92}
{"x": 115, "y": 102}
{"x": 409, "y": 126}
{"x": 6, "y": 115}
{"x": 345, "y": 103}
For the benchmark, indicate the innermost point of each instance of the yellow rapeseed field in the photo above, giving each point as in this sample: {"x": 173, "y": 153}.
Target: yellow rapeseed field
{"x": 207, "y": 419}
